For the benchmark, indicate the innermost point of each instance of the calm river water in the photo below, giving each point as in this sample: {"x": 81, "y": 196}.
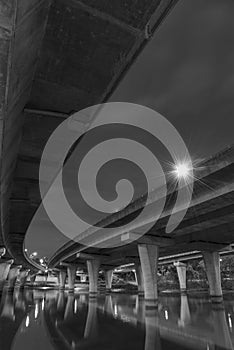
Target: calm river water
{"x": 46, "y": 319}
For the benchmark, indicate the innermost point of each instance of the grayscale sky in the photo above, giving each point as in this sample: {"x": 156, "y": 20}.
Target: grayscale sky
{"x": 187, "y": 74}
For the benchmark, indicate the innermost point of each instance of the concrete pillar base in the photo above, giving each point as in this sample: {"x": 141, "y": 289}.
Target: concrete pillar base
{"x": 93, "y": 295}
{"x": 71, "y": 291}
{"x": 151, "y": 304}
{"x": 215, "y": 299}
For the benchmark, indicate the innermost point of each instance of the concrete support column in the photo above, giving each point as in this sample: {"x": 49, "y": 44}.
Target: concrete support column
{"x": 181, "y": 271}
{"x": 32, "y": 279}
{"x": 149, "y": 263}
{"x": 12, "y": 277}
{"x": 71, "y": 273}
{"x": 108, "y": 279}
{"x": 139, "y": 278}
{"x": 212, "y": 265}
{"x": 62, "y": 279}
{"x": 23, "y": 278}
{"x": 4, "y": 270}
{"x": 93, "y": 269}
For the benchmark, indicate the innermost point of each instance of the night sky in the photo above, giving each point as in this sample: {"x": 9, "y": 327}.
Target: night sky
{"x": 186, "y": 73}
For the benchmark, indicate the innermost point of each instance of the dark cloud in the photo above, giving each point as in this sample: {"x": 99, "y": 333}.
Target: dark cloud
{"x": 187, "y": 74}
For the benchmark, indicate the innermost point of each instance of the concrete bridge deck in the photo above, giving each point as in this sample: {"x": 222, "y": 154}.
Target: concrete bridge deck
{"x": 53, "y": 73}
{"x": 208, "y": 223}
{"x": 51, "y": 64}
{"x": 206, "y": 229}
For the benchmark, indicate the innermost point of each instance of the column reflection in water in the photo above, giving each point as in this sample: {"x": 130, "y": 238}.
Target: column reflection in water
{"x": 69, "y": 310}
{"x": 185, "y": 316}
{"x": 91, "y": 327}
{"x": 152, "y": 332}
{"x": 108, "y": 305}
{"x": 32, "y": 332}
{"x": 7, "y": 306}
{"x": 222, "y": 335}
{"x": 8, "y": 326}
{"x": 20, "y": 301}
{"x": 33, "y": 319}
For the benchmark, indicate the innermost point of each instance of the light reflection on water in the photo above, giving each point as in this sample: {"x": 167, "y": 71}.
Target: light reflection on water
{"x": 34, "y": 319}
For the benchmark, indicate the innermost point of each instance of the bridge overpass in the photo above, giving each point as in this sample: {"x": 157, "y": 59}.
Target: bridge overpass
{"x": 206, "y": 230}
{"x": 53, "y": 73}
{"x": 51, "y": 65}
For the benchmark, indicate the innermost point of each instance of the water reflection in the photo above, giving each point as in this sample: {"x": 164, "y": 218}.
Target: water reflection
{"x": 34, "y": 319}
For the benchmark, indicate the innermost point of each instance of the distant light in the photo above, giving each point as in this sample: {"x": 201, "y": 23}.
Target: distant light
{"x": 75, "y": 306}
{"x": 25, "y": 250}
{"x": 27, "y": 321}
{"x": 166, "y": 315}
{"x": 36, "y": 311}
{"x": 34, "y": 254}
{"x": 115, "y": 310}
{"x": 41, "y": 261}
{"x": 230, "y": 321}
{"x": 182, "y": 170}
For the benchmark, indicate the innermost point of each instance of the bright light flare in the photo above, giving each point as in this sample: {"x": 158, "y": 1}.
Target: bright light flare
{"x": 182, "y": 170}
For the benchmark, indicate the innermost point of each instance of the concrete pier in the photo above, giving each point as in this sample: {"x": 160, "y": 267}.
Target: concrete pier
{"x": 62, "y": 279}
{"x": 12, "y": 277}
{"x": 149, "y": 263}
{"x": 71, "y": 273}
{"x": 22, "y": 278}
{"x": 93, "y": 269}
{"x": 212, "y": 265}
{"x": 139, "y": 278}
{"x": 32, "y": 279}
{"x": 4, "y": 270}
{"x": 108, "y": 279}
{"x": 181, "y": 271}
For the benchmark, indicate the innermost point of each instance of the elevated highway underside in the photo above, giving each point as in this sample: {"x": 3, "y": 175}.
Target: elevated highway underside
{"x": 208, "y": 224}
{"x": 206, "y": 231}
{"x": 57, "y": 57}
